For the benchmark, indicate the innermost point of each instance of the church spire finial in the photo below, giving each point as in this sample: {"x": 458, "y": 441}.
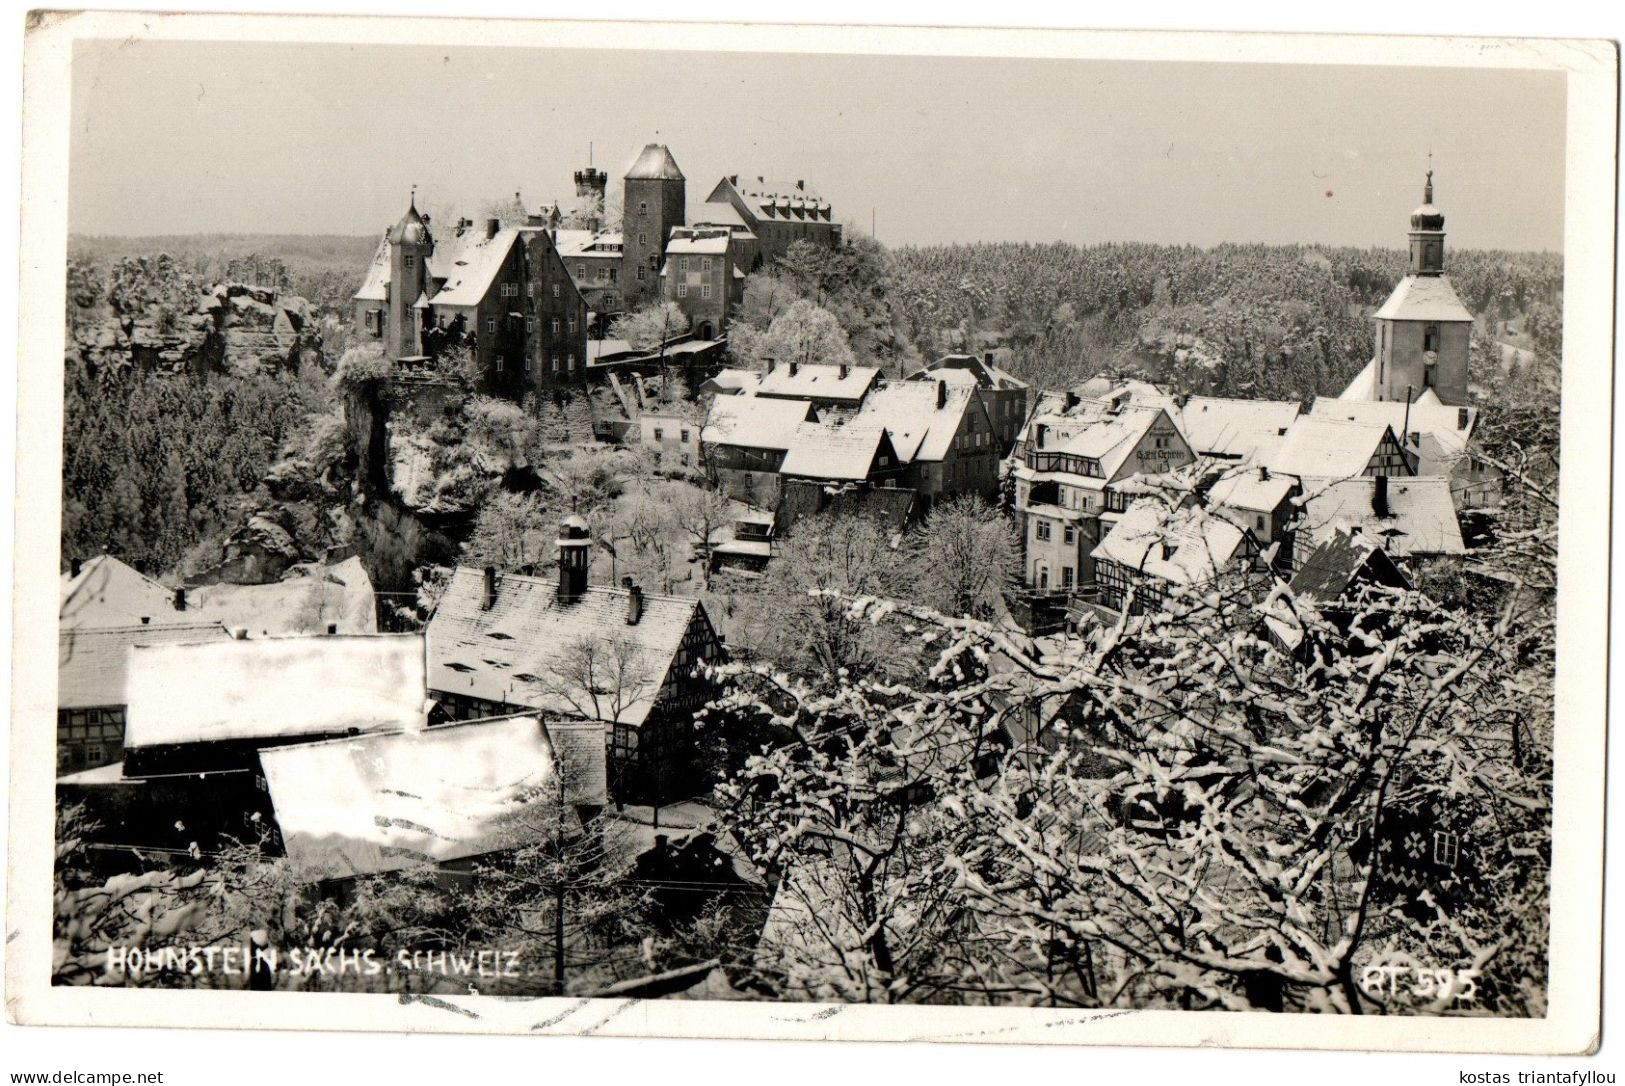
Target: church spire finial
{"x": 1427, "y": 189}
{"x": 412, "y": 200}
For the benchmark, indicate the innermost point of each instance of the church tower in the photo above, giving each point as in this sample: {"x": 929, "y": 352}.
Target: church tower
{"x": 652, "y": 205}
{"x": 1423, "y": 329}
{"x": 410, "y": 245}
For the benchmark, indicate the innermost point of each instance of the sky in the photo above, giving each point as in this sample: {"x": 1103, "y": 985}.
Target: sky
{"x": 187, "y": 137}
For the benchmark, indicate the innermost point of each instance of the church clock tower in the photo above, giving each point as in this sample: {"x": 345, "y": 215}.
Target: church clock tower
{"x": 1423, "y": 329}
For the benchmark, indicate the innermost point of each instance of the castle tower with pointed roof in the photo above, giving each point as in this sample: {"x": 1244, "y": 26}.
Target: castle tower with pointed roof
{"x": 410, "y": 246}
{"x": 1423, "y": 329}
{"x": 653, "y": 203}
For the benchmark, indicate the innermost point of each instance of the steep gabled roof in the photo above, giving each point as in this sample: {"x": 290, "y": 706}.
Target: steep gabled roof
{"x": 469, "y": 264}
{"x": 109, "y": 593}
{"x": 1451, "y": 427}
{"x": 1112, "y": 439}
{"x": 372, "y": 803}
{"x": 843, "y": 451}
{"x": 1251, "y": 489}
{"x": 375, "y": 286}
{"x": 1185, "y": 546}
{"x": 1319, "y": 447}
{"x": 308, "y": 600}
{"x": 1421, "y": 516}
{"x": 752, "y": 422}
{"x": 511, "y": 651}
{"x": 93, "y": 664}
{"x": 1326, "y": 574}
{"x": 958, "y": 367}
{"x": 273, "y": 688}
{"x": 918, "y": 427}
{"x": 1424, "y": 298}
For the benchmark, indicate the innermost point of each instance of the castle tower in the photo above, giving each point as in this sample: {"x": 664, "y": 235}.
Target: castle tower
{"x": 591, "y": 182}
{"x": 410, "y": 245}
{"x": 653, "y": 204}
{"x": 1423, "y": 329}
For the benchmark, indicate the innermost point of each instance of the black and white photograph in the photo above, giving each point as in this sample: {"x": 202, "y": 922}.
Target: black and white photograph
{"x": 806, "y": 533}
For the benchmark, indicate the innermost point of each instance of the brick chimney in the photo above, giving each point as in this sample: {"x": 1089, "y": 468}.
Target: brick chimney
{"x": 488, "y": 597}
{"x": 634, "y": 605}
{"x": 794, "y": 366}
{"x": 332, "y": 628}
{"x": 491, "y": 228}
{"x": 942, "y": 394}
{"x": 1263, "y": 473}
{"x": 987, "y": 358}
{"x": 574, "y": 541}
{"x": 1379, "y": 496}
{"x": 75, "y": 566}
{"x": 845, "y": 369}
{"x": 180, "y": 599}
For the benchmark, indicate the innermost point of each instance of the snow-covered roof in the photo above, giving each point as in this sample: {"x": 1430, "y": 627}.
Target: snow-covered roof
{"x": 1451, "y": 427}
{"x": 909, "y": 411}
{"x": 1364, "y": 385}
{"x": 590, "y": 243}
{"x": 510, "y": 652}
{"x": 375, "y": 286}
{"x": 1251, "y": 489}
{"x": 774, "y": 199}
{"x": 816, "y": 381}
{"x": 1424, "y": 298}
{"x": 1217, "y": 426}
{"x": 733, "y": 380}
{"x": 655, "y": 163}
{"x": 1318, "y": 447}
{"x": 1421, "y": 516}
{"x": 372, "y": 803}
{"x": 960, "y": 367}
{"x": 842, "y": 451}
{"x": 107, "y": 592}
{"x": 93, "y": 663}
{"x": 273, "y": 688}
{"x": 469, "y": 264}
{"x": 307, "y": 600}
{"x": 753, "y": 422}
{"x": 685, "y": 242}
{"x": 1185, "y": 546}
{"x": 1113, "y": 439}
{"x": 718, "y": 213}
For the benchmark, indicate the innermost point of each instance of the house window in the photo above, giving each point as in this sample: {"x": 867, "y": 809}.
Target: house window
{"x": 1042, "y": 529}
{"x": 375, "y": 321}
{"x": 1260, "y": 520}
{"x": 499, "y": 363}
{"x": 1069, "y": 534}
{"x": 643, "y": 239}
{"x": 1066, "y": 576}
{"x": 572, "y": 361}
{"x": 1446, "y": 848}
{"x": 530, "y": 324}
{"x": 555, "y": 290}
{"x": 643, "y": 209}
{"x": 885, "y": 461}
{"x": 572, "y": 325}
{"x": 527, "y": 363}
{"x": 682, "y": 264}
{"x": 491, "y": 325}
{"x": 660, "y": 434}
{"x": 682, "y": 290}
{"x": 640, "y": 275}
{"x": 603, "y": 275}
{"x": 411, "y": 261}
{"x": 581, "y": 271}
{"x": 684, "y": 438}
{"x": 705, "y": 290}
{"x": 705, "y": 263}
{"x": 555, "y": 326}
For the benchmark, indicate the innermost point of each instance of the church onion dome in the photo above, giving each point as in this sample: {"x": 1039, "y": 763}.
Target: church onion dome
{"x": 1427, "y": 217}
{"x": 412, "y": 229}
{"x": 655, "y": 163}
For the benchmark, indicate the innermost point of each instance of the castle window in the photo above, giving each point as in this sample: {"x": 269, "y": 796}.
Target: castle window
{"x": 705, "y": 290}
{"x": 640, "y": 274}
{"x": 411, "y": 261}
{"x": 643, "y": 209}
{"x": 682, "y": 290}
{"x": 530, "y": 290}
{"x": 527, "y": 363}
{"x": 555, "y": 290}
{"x": 499, "y": 363}
{"x": 682, "y": 264}
{"x": 555, "y": 326}
{"x": 705, "y": 264}
{"x": 643, "y": 239}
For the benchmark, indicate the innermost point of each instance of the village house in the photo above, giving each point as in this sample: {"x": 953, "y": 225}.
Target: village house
{"x": 1439, "y": 439}
{"x": 1325, "y": 588}
{"x": 744, "y": 443}
{"x": 942, "y": 433}
{"x": 1004, "y": 396}
{"x": 745, "y": 544}
{"x": 1318, "y": 449}
{"x": 856, "y": 452}
{"x": 1070, "y": 483}
{"x": 1154, "y": 549}
{"x": 672, "y": 437}
{"x": 501, "y": 643}
{"x": 1262, "y": 502}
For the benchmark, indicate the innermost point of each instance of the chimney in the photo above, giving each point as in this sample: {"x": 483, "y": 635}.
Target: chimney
{"x": 1167, "y": 550}
{"x": 332, "y": 628}
{"x": 1461, "y": 418}
{"x": 1071, "y": 401}
{"x": 488, "y": 598}
{"x": 794, "y": 366}
{"x": 844, "y": 369}
{"x": 1263, "y": 473}
{"x": 574, "y": 540}
{"x": 180, "y": 599}
{"x": 491, "y": 228}
{"x": 634, "y": 605}
{"x": 1379, "y": 496}
{"x": 772, "y": 364}
{"x": 75, "y": 565}
{"x": 942, "y": 395}
{"x": 140, "y": 565}
{"x": 146, "y": 620}
{"x": 801, "y": 185}
{"x": 987, "y": 358}
{"x": 239, "y": 633}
